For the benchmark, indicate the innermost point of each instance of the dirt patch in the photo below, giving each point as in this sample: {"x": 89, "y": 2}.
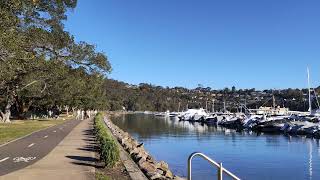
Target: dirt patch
{"x": 119, "y": 172}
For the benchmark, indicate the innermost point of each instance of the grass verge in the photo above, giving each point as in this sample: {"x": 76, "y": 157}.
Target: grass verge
{"x": 108, "y": 148}
{"x": 20, "y": 128}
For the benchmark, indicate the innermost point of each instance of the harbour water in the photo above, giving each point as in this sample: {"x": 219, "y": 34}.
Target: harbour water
{"x": 247, "y": 154}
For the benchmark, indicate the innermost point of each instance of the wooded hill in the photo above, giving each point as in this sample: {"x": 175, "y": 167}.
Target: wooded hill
{"x": 147, "y": 97}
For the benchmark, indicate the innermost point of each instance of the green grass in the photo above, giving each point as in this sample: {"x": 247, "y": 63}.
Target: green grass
{"x": 109, "y": 151}
{"x": 100, "y": 176}
{"x": 20, "y": 128}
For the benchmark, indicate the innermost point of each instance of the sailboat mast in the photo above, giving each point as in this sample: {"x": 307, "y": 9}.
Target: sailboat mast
{"x": 273, "y": 101}
{"x": 206, "y": 105}
{"x": 310, "y": 107}
{"x": 213, "y": 105}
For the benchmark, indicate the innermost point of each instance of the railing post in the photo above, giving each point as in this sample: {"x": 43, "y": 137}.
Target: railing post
{"x": 189, "y": 166}
{"x": 220, "y": 172}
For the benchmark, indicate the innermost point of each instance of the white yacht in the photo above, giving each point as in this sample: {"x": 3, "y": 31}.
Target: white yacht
{"x": 193, "y": 115}
{"x": 163, "y": 114}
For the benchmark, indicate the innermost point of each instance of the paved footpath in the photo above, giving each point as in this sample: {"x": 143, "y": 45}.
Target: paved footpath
{"x": 72, "y": 158}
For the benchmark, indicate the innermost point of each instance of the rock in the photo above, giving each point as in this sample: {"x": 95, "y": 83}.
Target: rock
{"x": 156, "y": 176}
{"x": 130, "y": 146}
{"x": 148, "y": 167}
{"x": 140, "y": 162}
{"x": 150, "y": 159}
{"x": 163, "y": 166}
{"x": 134, "y": 151}
{"x": 123, "y": 141}
{"x": 142, "y": 155}
{"x": 160, "y": 171}
{"x": 169, "y": 174}
{"x": 140, "y": 145}
{"x": 126, "y": 134}
{"x": 127, "y": 145}
{"x": 153, "y": 170}
{"x": 178, "y": 178}
{"x": 134, "y": 143}
{"x": 135, "y": 157}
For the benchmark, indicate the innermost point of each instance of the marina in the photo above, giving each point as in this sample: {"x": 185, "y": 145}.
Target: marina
{"x": 287, "y": 124}
{"x": 266, "y": 119}
{"x": 248, "y": 154}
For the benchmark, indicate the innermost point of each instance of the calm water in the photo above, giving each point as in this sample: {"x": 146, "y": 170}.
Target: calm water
{"x": 248, "y": 155}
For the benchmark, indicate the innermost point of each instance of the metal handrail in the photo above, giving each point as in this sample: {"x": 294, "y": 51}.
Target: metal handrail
{"x": 219, "y": 166}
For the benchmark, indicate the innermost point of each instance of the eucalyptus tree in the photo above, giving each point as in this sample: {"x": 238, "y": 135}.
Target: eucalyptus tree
{"x": 35, "y": 49}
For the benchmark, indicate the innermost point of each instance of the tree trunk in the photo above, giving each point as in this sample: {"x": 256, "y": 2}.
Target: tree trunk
{"x": 66, "y": 108}
{"x": 6, "y": 115}
{"x": 7, "y": 112}
{"x": 59, "y": 109}
{"x": 22, "y": 107}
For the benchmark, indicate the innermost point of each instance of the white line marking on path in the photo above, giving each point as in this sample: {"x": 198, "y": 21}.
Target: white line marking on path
{"x": 45, "y": 136}
{"x": 54, "y": 131}
{"x": 31, "y": 145}
{"x": 2, "y": 160}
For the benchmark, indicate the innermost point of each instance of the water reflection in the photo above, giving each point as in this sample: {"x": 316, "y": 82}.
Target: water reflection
{"x": 247, "y": 154}
{"x": 310, "y": 159}
{"x": 318, "y": 145}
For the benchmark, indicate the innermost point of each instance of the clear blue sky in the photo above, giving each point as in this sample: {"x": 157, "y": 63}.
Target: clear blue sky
{"x": 217, "y": 43}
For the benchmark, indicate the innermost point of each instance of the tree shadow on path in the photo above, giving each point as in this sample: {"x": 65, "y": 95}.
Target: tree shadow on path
{"x": 90, "y": 146}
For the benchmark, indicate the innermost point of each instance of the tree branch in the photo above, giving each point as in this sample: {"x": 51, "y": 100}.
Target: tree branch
{"x": 35, "y": 81}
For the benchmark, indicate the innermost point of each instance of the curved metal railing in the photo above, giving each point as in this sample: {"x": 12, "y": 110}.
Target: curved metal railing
{"x": 221, "y": 170}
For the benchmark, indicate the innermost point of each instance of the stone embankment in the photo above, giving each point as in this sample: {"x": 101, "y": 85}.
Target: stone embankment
{"x": 152, "y": 169}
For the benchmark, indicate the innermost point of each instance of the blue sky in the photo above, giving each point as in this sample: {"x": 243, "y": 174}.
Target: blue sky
{"x": 217, "y": 43}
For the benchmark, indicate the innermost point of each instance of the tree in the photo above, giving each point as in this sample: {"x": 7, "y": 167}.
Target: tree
{"x": 233, "y": 89}
{"x": 34, "y": 48}
{"x": 226, "y": 90}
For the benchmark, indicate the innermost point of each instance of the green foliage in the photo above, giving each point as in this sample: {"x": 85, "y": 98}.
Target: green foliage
{"x": 109, "y": 152}
{"x": 41, "y": 65}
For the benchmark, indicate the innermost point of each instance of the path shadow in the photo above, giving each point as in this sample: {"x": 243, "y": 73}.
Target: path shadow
{"x": 88, "y": 132}
{"x": 90, "y": 139}
{"x": 85, "y": 161}
{"x": 83, "y": 158}
{"x": 90, "y": 148}
{"x": 91, "y": 143}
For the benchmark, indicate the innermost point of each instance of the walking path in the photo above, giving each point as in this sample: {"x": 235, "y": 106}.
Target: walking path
{"x": 73, "y": 158}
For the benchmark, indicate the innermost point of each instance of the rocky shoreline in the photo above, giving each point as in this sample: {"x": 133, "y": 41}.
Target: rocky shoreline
{"x": 152, "y": 169}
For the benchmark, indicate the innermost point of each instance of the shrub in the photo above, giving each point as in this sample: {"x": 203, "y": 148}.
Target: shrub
{"x": 108, "y": 151}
